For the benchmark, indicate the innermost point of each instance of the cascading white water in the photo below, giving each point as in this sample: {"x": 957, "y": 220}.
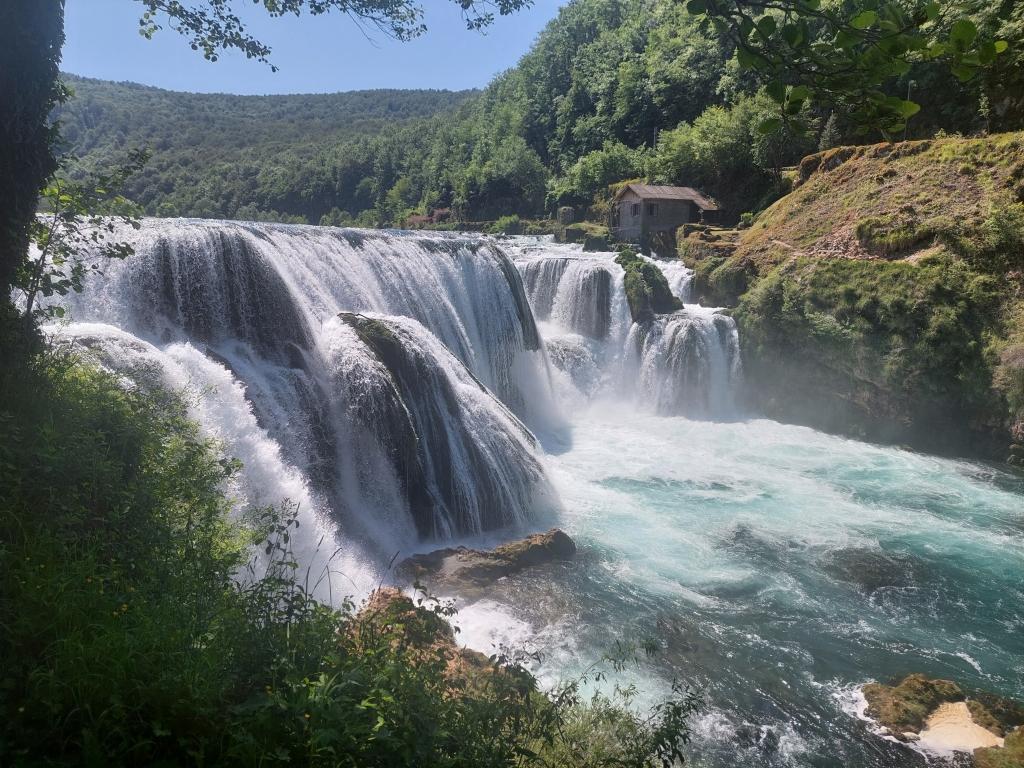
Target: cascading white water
{"x": 685, "y": 363}
{"x": 218, "y": 402}
{"x": 465, "y": 464}
{"x": 378, "y": 380}
{"x": 423, "y": 438}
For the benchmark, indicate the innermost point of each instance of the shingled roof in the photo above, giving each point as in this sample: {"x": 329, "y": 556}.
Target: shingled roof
{"x": 656, "y": 192}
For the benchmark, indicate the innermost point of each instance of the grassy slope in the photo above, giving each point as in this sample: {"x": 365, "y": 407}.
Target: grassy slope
{"x": 884, "y": 296}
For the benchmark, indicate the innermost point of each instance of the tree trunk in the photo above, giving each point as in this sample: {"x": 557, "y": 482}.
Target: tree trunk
{"x": 31, "y": 36}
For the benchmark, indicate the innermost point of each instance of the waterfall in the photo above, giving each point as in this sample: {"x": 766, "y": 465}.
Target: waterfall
{"x": 421, "y": 431}
{"x": 218, "y": 402}
{"x": 465, "y": 463}
{"x": 686, "y": 363}
{"x": 679, "y": 278}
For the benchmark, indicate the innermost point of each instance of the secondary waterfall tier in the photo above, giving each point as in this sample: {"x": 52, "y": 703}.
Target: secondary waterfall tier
{"x": 416, "y": 431}
{"x": 686, "y": 363}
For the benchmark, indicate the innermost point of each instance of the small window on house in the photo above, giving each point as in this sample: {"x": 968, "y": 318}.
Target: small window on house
{"x": 652, "y": 209}
{"x": 636, "y": 209}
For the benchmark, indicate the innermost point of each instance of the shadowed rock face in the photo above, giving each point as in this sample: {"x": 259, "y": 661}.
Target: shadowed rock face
{"x": 461, "y": 566}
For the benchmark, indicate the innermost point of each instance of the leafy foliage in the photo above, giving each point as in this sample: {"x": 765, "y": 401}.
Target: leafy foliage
{"x": 612, "y": 89}
{"x": 213, "y": 25}
{"x": 77, "y": 214}
{"x": 845, "y": 55}
{"x": 140, "y": 628}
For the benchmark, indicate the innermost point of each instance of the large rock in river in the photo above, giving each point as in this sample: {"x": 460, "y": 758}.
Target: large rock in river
{"x": 941, "y": 716}
{"x": 456, "y": 566}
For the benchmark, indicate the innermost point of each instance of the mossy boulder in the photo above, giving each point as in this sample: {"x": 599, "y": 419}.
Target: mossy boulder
{"x": 1010, "y": 755}
{"x": 461, "y": 566}
{"x": 647, "y": 289}
{"x": 597, "y": 243}
{"x": 904, "y": 708}
{"x": 572, "y": 234}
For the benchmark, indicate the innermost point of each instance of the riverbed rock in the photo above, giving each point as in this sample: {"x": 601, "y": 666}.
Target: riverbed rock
{"x": 456, "y": 566}
{"x": 905, "y": 708}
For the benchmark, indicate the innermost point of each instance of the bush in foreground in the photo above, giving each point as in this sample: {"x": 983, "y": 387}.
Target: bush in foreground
{"x": 136, "y": 629}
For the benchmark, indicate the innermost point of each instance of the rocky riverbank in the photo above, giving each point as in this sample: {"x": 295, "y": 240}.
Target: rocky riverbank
{"x": 883, "y": 298}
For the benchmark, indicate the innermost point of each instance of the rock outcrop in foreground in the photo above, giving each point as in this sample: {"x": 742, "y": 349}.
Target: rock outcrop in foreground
{"x": 461, "y": 566}
{"x": 941, "y": 716}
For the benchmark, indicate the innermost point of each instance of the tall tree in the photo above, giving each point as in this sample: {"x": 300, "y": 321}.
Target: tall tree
{"x": 31, "y": 36}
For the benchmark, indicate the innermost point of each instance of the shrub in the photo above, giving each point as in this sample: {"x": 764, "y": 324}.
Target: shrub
{"x": 506, "y": 225}
{"x": 137, "y": 631}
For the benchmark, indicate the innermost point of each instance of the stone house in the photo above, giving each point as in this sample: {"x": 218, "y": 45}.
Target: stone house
{"x": 640, "y": 211}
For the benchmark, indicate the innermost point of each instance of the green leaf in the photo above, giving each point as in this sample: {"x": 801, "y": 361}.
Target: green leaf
{"x": 900, "y": 66}
{"x": 769, "y": 126}
{"x": 963, "y": 72}
{"x": 747, "y": 59}
{"x": 766, "y": 26}
{"x": 799, "y": 93}
{"x": 697, "y": 7}
{"x": 963, "y": 32}
{"x": 776, "y": 90}
{"x": 863, "y": 20}
{"x": 987, "y": 52}
{"x": 846, "y": 39}
{"x": 909, "y": 108}
{"x": 1001, "y": 46}
{"x": 932, "y": 11}
{"x": 793, "y": 35}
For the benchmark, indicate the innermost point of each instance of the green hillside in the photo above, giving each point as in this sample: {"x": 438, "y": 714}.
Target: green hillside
{"x": 884, "y": 297}
{"x": 233, "y": 156}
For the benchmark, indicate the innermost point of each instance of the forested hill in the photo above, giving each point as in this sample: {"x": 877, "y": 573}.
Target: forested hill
{"x": 611, "y": 89}
{"x": 225, "y": 155}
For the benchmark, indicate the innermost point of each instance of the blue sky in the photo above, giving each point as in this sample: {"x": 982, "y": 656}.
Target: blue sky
{"x": 322, "y": 54}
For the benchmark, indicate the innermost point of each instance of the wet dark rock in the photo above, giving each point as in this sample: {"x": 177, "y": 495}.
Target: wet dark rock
{"x": 760, "y": 737}
{"x": 872, "y": 569}
{"x": 460, "y": 565}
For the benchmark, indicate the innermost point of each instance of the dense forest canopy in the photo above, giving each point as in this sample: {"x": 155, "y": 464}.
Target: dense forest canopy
{"x": 225, "y": 155}
{"x": 612, "y": 89}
